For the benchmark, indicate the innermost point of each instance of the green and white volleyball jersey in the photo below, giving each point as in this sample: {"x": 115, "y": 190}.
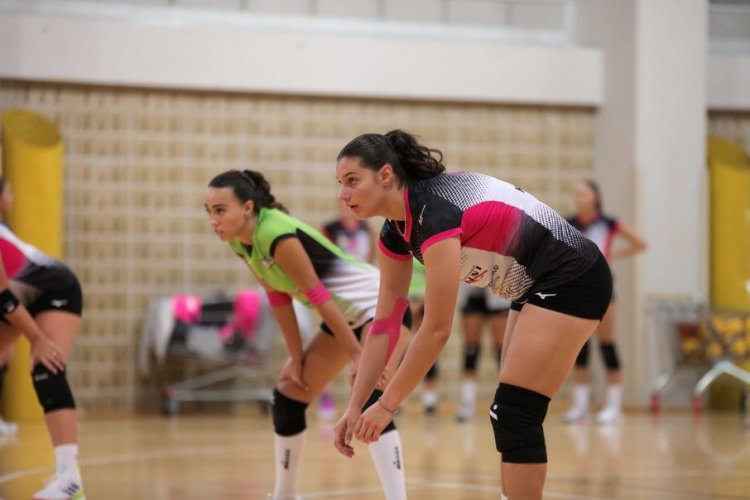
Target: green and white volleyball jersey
{"x": 353, "y": 284}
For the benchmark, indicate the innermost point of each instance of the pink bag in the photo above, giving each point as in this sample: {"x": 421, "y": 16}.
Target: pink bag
{"x": 187, "y": 308}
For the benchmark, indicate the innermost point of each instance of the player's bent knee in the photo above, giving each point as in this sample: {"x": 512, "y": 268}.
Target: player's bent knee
{"x": 517, "y": 415}
{"x": 582, "y": 360}
{"x": 609, "y": 353}
{"x": 52, "y": 389}
{"x": 288, "y": 415}
{"x": 471, "y": 355}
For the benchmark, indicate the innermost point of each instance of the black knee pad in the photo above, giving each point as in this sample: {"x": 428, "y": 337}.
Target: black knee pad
{"x": 373, "y": 400}
{"x": 52, "y": 389}
{"x": 517, "y": 415}
{"x": 432, "y": 373}
{"x": 611, "y": 361}
{"x": 582, "y": 361}
{"x": 471, "y": 355}
{"x": 288, "y": 415}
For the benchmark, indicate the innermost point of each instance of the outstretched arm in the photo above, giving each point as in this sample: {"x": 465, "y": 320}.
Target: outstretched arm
{"x": 442, "y": 264}
{"x": 394, "y": 287}
{"x": 286, "y": 318}
{"x": 295, "y": 262}
{"x": 395, "y": 274}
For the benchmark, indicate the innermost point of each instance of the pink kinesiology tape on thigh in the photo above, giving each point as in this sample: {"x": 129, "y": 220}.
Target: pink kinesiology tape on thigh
{"x": 391, "y": 325}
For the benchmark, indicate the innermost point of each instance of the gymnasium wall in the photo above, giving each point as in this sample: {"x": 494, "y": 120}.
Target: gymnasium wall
{"x": 137, "y": 162}
{"x": 731, "y": 125}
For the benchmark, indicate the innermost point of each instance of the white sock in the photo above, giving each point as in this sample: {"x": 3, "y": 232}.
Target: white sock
{"x": 469, "y": 393}
{"x": 613, "y": 399}
{"x": 66, "y": 456}
{"x": 581, "y": 396}
{"x": 389, "y": 462}
{"x": 288, "y": 453}
{"x": 503, "y": 497}
{"x": 429, "y": 397}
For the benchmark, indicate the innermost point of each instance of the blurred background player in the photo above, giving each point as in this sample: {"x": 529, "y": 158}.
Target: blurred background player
{"x": 603, "y": 230}
{"x": 480, "y": 308}
{"x": 352, "y": 235}
{"x": 41, "y": 299}
{"x": 6, "y": 202}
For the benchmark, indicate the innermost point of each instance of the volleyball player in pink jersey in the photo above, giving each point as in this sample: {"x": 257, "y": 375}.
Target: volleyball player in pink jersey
{"x": 6, "y": 202}
{"x": 488, "y": 233}
{"x": 41, "y": 299}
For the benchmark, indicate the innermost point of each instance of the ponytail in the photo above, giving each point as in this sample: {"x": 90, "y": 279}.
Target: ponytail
{"x": 410, "y": 159}
{"x": 248, "y": 185}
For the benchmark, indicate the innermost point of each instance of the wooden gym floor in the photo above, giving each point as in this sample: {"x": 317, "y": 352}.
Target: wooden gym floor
{"x": 230, "y": 456}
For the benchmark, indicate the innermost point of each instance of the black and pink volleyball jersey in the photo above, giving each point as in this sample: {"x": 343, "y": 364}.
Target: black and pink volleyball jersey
{"x": 510, "y": 241}
{"x": 29, "y": 270}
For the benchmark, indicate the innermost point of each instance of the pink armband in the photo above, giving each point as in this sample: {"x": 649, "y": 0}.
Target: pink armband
{"x": 318, "y": 294}
{"x": 278, "y": 299}
{"x": 391, "y": 325}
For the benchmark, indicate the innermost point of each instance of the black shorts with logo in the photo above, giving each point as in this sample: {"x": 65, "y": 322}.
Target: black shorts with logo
{"x": 587, "y": 296}
{"x": 49, "y": 288}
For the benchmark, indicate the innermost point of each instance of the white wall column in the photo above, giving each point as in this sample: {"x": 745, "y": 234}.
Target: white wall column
{"x": 670, "y": 125}
{"x": 650, "y": 155}
{"x": 610, "y": 25}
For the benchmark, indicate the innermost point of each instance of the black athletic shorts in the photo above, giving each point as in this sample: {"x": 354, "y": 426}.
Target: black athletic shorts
{"x": 478, "y": 304}
{"x": 49, "y": 288}
{"x": 587, "y": 296}
{"x": 358, "y": 331}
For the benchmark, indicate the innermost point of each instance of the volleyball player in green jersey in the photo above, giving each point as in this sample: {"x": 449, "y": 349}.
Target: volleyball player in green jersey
{"x": 291, "y": 259}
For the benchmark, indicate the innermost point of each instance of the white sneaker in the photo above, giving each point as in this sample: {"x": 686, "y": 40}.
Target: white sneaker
{"x": 62, "y": 487}
{"x": 608, "y": 416}
{"x": 8, "y": 428}
{"x": 465, "y": 413}
{"x": 575, "y": 415}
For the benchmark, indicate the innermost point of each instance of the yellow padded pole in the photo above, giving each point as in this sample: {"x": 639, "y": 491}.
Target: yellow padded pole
{"x": 729, "y": 177}
{"x": 730, "y": 225}
{"x": 32, "y": 164}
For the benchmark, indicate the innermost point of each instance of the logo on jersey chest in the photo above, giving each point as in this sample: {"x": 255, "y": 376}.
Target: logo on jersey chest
{"x": 476, "y": 274}
{"x": 267, "y": 262}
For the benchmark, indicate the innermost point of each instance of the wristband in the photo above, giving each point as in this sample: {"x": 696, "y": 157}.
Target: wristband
{"x": 392, "y": 412}
{"x": 318, "y": 294}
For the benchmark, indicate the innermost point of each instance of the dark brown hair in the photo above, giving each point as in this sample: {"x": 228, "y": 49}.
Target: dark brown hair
{"x": 401, "y": 150}
{"x": 248, "y": 185}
